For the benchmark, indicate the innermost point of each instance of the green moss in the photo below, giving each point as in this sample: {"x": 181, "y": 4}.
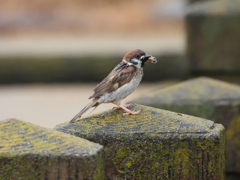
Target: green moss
{"x": 234, "y": 128}
{"x": 207, "y": 98}
{"x": 148, "y": 121}
{"x": 100, "y": 166}
{"x": 155, "y": 144}
{"x": 128, "y": 164}
{"x": 182, "y": 157}
{"x": 32, "y": 152}
{"x": 122, "y": 153}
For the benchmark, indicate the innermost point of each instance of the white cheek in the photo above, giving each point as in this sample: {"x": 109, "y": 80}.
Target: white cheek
{"x": 136, "y": 62}
{"x": 127, "y": 62}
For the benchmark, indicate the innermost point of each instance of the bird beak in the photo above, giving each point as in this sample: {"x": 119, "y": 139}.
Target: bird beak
{"x": 151, "y": 58}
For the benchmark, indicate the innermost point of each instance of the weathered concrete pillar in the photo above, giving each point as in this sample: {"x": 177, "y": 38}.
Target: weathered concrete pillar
{"x": 206, "y": 98}
{"x": 155, "y": 144}
{"x": 213, "y": 38}
{"x": 31, "y": 152}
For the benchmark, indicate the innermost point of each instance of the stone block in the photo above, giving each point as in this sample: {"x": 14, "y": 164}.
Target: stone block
{"x": 155, "y": 144}
{"x": 31, "y": 152}
{"x": 213, "y": 37}
{"x": 207, "y": 98}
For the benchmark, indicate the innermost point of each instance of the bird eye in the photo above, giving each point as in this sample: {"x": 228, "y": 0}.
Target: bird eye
{"x": 138, "y": 56}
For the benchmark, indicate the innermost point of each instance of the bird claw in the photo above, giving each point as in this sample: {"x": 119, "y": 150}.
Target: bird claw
{"x": 131, "y": 112}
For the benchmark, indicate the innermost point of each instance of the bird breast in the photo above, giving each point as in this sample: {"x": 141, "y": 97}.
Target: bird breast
{"x": 125, "y": 90}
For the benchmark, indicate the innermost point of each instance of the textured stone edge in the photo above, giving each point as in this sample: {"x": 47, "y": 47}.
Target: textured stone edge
{"x": 42, "y": 164}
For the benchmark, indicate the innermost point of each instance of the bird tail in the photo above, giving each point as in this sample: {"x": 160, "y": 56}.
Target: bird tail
{"x": 94, "y": 103}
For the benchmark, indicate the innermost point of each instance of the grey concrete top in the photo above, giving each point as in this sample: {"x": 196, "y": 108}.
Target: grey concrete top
{"x": 195, "y": 91}
{"x": 149, "y": 121}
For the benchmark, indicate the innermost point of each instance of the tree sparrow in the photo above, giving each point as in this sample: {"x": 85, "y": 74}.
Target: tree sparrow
{"x": 121, "y": 82}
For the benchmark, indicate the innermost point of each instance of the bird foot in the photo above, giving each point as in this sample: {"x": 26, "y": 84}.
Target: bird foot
{"x": 125, "y": 105}
{"x": 131, "y": 112}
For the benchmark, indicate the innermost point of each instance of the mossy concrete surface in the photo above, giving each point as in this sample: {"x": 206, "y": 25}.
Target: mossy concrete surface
{"x": 213, "y": 37}
{"x": 207, "y": 98}
{"x": 155, "y": 144}
{"x": 31, "y": 152}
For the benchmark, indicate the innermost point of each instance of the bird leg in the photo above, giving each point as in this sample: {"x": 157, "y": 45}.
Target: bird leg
{"x": 125, "y": 107}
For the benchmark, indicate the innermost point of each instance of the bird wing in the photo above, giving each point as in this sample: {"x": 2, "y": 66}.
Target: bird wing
{"x": 119, "y": 76}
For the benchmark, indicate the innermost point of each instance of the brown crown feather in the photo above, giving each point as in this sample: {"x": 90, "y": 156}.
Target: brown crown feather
{"x": 133, "y": 53}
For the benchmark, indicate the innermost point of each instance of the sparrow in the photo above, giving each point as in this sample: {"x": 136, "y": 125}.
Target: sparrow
{"x": 120, "y": 83}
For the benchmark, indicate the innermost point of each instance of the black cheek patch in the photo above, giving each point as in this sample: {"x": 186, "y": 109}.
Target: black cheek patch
{"x": 133, "y": 62}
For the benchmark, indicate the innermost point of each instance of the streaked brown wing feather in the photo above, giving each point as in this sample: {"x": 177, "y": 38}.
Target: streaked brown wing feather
{"x": 119, "y": 76}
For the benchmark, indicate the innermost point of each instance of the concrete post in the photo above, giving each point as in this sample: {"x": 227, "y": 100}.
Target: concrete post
{"x": 213, "y": 37}
{"x": 155, "y": 144}
{"x": 207, "y": 98}
{"x": 31, "y": 152}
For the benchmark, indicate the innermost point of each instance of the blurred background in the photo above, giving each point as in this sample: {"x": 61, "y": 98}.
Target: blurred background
{"x": 54, "y": 52}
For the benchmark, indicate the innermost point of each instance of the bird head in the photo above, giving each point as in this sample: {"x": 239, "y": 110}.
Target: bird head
{"x": 138, "y": 58}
